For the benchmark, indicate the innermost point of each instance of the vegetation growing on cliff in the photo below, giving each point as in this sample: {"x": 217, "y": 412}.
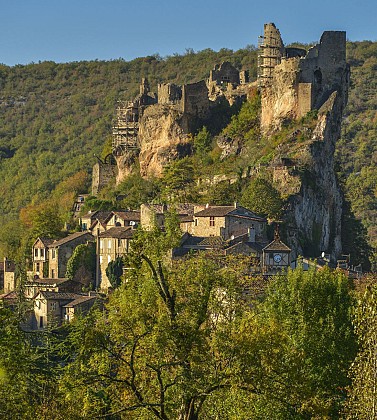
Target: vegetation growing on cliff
{"x": 54, "y": 117}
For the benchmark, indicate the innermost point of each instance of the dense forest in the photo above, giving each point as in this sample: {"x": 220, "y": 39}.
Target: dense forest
{"x": 56, "y": 117}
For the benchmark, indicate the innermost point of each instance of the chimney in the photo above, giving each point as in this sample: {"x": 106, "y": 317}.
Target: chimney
{"x": 251, "y": 233}
{"x": 207, "y": 205}
{"x": 235, "y": 204}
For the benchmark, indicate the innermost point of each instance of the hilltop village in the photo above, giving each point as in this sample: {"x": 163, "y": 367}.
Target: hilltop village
{"x": 154, "y": 129}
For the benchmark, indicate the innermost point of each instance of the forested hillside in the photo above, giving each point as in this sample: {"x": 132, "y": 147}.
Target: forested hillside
{"x": 55, "y": 117}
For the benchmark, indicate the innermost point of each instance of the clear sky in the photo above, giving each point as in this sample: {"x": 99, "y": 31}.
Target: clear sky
{"x": 75, "y": 30}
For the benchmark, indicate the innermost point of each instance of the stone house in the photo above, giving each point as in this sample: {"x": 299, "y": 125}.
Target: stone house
{"x": 36, "y": 284}
{"x": 151, "y": 214}
{"x": 91, "y": 218}
{"x": 7, "y": 277}
{"x": 51, "y": 308}
{"x": 60, "y": 251}
{"x": 123, "y": 218}
{"x": 227, "y": 222}
{"x": 112, "y": 243}
{"x": 40, "y": 256}
{"x": 79, "y": 306}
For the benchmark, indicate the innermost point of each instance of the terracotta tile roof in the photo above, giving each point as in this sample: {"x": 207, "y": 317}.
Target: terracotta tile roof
{"x": 70, "y": 238}
{"x": 118, "y": 232}
{"x": 277, "y": 245}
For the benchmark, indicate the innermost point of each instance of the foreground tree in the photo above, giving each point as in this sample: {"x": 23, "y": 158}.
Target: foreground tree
{"x": 298, "y": 347}
{"x": 362, "y": 403}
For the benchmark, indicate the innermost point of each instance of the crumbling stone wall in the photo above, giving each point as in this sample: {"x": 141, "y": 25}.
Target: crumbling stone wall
{"x": 195, "y": 99}
{"x": 102, "y": 175}
{"x": 292, "y": 83}
{"x": 224, "y": 73}
{"x": 169, "y": 93}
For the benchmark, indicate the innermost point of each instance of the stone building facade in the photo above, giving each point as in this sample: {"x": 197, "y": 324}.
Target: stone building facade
{"x": 60, "y": 251}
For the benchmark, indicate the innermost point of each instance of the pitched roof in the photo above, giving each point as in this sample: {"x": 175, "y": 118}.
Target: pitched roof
{"x": 78, "y": 301}
{"x": 118, "y": 232}
{"x": 10, "y": 295}
{"x": 59, "y": 295}
{"x": 125, "y": 215}
{"x": 221, "y": 211}
{"x": 45, "y": 241}
{"x": 70, "y": 238}
{"x": 277, "y": 245}
{"x": 203, "y": 241}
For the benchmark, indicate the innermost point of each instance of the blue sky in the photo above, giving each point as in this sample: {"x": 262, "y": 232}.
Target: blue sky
{"x": 75, "y": 30}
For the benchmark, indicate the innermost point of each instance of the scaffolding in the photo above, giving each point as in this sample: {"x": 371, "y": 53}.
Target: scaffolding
{"x": 269, "y": 55}
{"x": 125, "y": 128}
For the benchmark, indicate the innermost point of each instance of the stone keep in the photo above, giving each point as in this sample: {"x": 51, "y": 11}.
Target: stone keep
{"x": 294, "y": 82}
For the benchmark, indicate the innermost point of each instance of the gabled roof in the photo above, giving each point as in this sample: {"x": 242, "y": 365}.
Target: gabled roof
{"x": 221, "y": 211}
{"x": 45, "y": 241}
{"x": 118, "y": 232}
{"x": 125, "y": 215}
{"x": 58, "y": 295}
{"x": 79, "y": 300}
{"x": 9, "y": 296}
{"x": 216, "y": 211}
{"x": 277, "y": 245}
{"x": 203, "y": 241}
{"x": 70, "y": 238}
{"x": 101, "y": 215}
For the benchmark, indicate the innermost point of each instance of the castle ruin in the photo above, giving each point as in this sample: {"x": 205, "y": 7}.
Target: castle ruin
{"x": 293, "y": 81}
{"x": 154, "y": 127}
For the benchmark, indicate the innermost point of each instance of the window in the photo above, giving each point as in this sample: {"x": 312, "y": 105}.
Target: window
{"x": 53, "y": 253}
{"x": 42, "y": 252}
{"x": 212, "y": 221}
{"x": 109, "y": 244}
{"x": 37, "y": 267}
{"x": 52, "y": 273}
{"x": 196, "y": 222}
{"x": 35, "y": 252}
{"x": 41, "y": 322}
{"x": 53, "y": 306}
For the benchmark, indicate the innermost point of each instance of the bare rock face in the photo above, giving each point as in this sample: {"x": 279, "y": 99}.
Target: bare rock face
{"x": 314, "y": 215}
{"x": 295, "y": 82}
{"x": 162, "y": 138}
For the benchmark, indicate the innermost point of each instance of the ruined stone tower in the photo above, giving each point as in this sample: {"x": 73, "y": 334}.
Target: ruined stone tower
{"x": 293, "y": 81}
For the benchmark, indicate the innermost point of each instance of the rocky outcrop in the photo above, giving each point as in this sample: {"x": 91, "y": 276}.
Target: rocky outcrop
{"x": 162, "y": 138}
{"x": 313, "y": 216}
{"x": 294, "y": 83}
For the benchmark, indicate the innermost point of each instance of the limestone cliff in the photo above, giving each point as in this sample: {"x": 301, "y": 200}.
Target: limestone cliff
{"x": 162, "y": 138}
{"x": 294, "y": 83}
{"x": 313, "y": 216}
